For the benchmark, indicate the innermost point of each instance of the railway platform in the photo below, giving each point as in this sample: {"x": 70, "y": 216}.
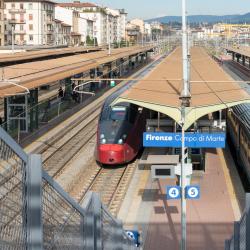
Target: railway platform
{"x": 210, "y": 219}
{"x": 24, "y": 116}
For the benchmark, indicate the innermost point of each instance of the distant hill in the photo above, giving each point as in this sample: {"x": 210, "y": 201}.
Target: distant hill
{"x": 205, "y": 19}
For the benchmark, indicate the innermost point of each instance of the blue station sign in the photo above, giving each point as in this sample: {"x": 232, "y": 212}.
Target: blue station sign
{"x": 192, "y": 140}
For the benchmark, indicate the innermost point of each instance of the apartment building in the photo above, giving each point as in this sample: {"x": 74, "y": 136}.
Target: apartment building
{"x": 108, "y": 24}
{"x": 117, "y": 24}
{"x": 112, "y": 23}
{"x": 122, "y": 24}
{"x": 140, "y": 23}
{"x": 62, "y": 33}
{"x": 91, "y": 12}
{"x": 1, "y": 22}
{"x": 148, "y": 32}
{"x": 133, "y": 33}
{"x": 232, "y": 30}
{"x": 86, "y": 28}
{"x": 30, "y": 22}
{"x": 81, "y": 26}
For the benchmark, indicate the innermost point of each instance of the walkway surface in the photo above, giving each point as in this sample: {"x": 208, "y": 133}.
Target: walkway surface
{"x": 209, "y": 219}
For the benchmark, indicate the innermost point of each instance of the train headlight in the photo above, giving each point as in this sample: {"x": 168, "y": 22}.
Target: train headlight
{"x": 103, "y": 141}
{"x": 120, "y": 141}
{"x": 102, "y": 136}
{"x": 124, "y": 136}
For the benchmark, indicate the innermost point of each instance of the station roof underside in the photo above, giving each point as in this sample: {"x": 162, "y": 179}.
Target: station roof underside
{"x": 35, "y": 74}
{"x": 241, "y": 51}
{"x": 29, "y": 55}
{"x": 211, "y": 88}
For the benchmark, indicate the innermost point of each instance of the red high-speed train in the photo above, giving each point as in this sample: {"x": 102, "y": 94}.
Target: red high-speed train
{"x": 120, "y": 131}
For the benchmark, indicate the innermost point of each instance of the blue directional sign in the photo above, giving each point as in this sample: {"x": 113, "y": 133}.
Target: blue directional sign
{"x": 192, "y": 140}
{"x": 192, "y": 192}
{"x": 173, "y": 192}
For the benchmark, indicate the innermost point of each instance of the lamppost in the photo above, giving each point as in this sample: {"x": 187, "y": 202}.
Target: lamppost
{"x": 185, "y": 99}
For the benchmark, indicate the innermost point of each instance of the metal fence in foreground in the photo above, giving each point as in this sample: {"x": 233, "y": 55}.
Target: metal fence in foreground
{"x": 36, "y": 213}
{"x": 240, "y": 239}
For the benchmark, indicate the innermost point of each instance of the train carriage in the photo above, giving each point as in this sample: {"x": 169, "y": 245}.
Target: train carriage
{"x": 238, "y": 123}
{"x": 119, "y": 134}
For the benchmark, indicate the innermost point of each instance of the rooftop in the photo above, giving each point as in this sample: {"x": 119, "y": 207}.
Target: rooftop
{"x": 77, "y": 4}
{"x": 48, "y": 1}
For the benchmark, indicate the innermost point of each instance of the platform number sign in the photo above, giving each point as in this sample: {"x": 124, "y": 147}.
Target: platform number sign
{"x": 173, "y": 192}
{"x": 134, "y": 236}
{"x": 192, "y": 192}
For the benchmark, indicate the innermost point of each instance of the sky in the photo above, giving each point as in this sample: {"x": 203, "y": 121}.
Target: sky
{"x": 146, "y": 9}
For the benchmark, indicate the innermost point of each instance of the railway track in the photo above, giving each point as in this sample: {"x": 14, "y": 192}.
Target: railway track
{"x": 238, "y": 69}
{"x": 55, "y": 162}
{"x": 110, "y": 183}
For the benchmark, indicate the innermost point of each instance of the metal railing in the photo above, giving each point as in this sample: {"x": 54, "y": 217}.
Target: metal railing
{"x": 36, "y": 213}
{"x": 240, "y": 239}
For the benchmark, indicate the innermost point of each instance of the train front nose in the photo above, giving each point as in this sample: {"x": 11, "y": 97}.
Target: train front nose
{"x": 111, "y": 154}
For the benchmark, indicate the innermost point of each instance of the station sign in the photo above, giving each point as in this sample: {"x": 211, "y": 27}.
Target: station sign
{"x": 173, "y": 192}
{"x": 192, "y": 192}
{"x": 192, "y": 140}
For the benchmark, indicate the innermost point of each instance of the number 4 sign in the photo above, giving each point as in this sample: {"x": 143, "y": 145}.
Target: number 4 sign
{"x": 173, "y": 192}
{"x": 192, "y": 192}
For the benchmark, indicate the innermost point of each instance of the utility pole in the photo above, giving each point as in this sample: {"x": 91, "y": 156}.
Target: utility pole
{"x": 185, "y": 102}
{"x": 12, "y": 38}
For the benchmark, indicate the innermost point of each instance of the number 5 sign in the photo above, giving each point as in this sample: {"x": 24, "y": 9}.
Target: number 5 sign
{"x": 173, "y": 192}
{"x": 192, "y": 192}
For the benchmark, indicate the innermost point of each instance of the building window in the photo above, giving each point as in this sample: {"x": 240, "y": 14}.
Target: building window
{"x": 30, "y": 26}
{"x": 21, "y": 6}
{"x": 30, "y": 17}
{"x": 12, "y": 16}
{"x": 21, "y": 37}
{"x": 13, "y": 6}
{"x": 22, "y": 17}
{"x": 30, "y": 6}
{"x": 21, "y": 27}
{"x": 31, "y": 37}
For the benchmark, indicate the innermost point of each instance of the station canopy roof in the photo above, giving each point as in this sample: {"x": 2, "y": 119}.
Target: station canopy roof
{"x": 243, "y": 50}
{"x": 211, "y": 88}
{"x": 35, "y": 74}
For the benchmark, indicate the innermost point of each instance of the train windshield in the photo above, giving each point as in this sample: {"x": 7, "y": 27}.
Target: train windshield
{"x": 118, "y": 113}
